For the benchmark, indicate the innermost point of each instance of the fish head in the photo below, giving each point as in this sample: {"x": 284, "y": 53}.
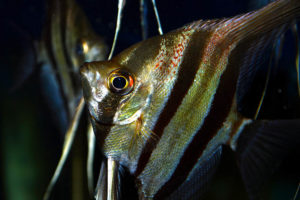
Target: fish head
{"x": 108, "y": 90}
{"x": 122, "y": 97}
{"x": 83, "y": 43}
{"x": 88, "y": 47}
{"x": 126, "y": 95}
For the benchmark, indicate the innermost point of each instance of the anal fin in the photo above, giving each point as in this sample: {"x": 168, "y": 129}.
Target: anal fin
{"x": 197, "y": 181}
{"x": 261, "y": 148}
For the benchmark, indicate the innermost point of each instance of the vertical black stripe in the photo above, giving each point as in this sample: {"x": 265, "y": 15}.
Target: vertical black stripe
{"x": 219, "y": 111}
{"x": 186, "y": 75}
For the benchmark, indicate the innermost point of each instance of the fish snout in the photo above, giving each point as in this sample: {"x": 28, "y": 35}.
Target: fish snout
{"x": 85, "y": 71}
{"x": 86, "y": 78}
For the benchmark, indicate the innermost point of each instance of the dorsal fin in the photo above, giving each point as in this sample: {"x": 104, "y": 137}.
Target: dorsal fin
{"x": 265, "y": 20}
{"x": 257, "y": 63}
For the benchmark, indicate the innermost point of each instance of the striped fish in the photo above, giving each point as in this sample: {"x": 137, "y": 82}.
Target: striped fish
{"x": 164, "y": 107}
{"x": 68, "y": 41}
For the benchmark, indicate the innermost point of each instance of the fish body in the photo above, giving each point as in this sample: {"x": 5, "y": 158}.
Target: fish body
{"x": 164, "y": 107}
{"x": 68, "y": 40}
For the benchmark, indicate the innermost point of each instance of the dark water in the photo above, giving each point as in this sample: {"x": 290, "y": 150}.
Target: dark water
{"x": 30, "y": 144}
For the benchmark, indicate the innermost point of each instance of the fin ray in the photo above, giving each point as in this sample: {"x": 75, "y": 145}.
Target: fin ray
{"x": 69, "y": 138}
{"x": 261, "y": 148}
{"x": 101, "y": 189}
{"x": 198, "y": 179}
{"x": 90, "y": 159}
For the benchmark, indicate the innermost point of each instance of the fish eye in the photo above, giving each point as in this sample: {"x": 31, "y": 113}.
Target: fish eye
{"x": 120, "y": 82}
{"x": 81, "y": 47}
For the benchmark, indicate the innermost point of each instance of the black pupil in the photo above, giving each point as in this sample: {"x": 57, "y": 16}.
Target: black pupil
{"x": 119, "y": 82}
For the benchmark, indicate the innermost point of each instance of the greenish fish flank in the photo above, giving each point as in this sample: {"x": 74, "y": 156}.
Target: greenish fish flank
{"x": 164, "y": 107}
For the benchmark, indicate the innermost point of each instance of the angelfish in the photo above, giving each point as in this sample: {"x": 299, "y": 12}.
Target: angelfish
{"x": 164, "y": 107}
{"x": 68, "y": 41}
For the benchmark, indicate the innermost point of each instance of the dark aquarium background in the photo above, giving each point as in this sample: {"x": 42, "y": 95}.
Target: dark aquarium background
{"x": 30, "y": 142}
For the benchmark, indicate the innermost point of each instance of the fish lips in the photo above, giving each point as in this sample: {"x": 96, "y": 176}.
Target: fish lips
{"x": 96, "y": 94}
